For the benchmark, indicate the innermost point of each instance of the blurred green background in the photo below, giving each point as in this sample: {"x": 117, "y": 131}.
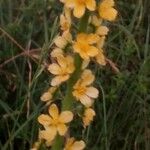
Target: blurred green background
{"x": 27, "y": 29}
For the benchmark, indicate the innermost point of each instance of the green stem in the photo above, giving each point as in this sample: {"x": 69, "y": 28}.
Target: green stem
{"x": 69, "y": 99}
{"x": 57, "y": 145}
{"x": 67, "y": 103}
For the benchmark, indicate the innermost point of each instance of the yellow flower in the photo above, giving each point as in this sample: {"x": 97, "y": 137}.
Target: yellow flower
{"x": 62, "y": 69}
{"x": 47, "y": 96}
{"x": 79, "y": 6}
{"x": 85, "y": 45}
{"x": 106, "y": 10}
{"x": 54, "y": 122}
{"x": 62, "y": 41}
{"x": 65, "y": 19}
{"x": 88, "y": 116}
{"x": 71, "y": 144}
{"x": 83, "y": 92}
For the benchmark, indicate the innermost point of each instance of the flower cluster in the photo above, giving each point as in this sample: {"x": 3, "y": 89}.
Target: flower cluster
{"x": 74, "y": 49}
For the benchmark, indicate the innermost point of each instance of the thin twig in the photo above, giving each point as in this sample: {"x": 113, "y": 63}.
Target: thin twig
{"x": 29, "y": 80}
{"x": 113, "y": 65}
{"x": 12, "y": 39}
{"x": 25, "y": 53}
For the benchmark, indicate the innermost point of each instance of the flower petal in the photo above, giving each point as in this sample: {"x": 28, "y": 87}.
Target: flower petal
{"x": 107, "y": 3}
{"x": 102, "y": 30}
{"x": 87, "y": 77}
{"x": 70, "y": 3}
{"x": 53, "y": 111}
{"x": 59, "y": 79}
{"x": 78, "y": 145}
{"x": 108, "y": 14}
{"x": 54, "y": 69}
{"x": 92, "y": 92}
{"x": 45, "y": 120}
{"x": 100, "y": 58}
{"x": 46, "y": 96}
{"x": 70, "y": 64}
{"x": 86, "y": 101}
{"x": 96, "y": 21}
{"x": 92, "y": 38}
{"x": 48, "y": 134}
{"x": 85, "y": 63}
{"x": 69, "y": 143}
{"x": 60, "y": 42}
{"x": 66, "y": 117}
{"x": 93, "y": 51}
{"x": 56, "y": 52}
{"x": 62, "y": 129}
{"x": 79, "y": 10}
{"x": 90, "y": 4}
{"x": 62, "y": 61}
{"x": 101, "y": 42}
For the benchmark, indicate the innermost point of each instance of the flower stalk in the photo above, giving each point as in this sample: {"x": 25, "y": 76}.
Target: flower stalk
{"x": 69, "y": 98}
{"x": 72, "y": 55}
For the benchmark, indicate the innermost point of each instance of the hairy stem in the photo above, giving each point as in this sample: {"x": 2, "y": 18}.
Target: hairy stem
{"x": 67, "y": 103}
{"x": 68, "y": 100}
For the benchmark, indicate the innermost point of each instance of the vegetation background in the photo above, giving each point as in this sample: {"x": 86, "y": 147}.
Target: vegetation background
{"x": 27, "y": 29}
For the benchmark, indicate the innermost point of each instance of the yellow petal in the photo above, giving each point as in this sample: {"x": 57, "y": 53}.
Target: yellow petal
{"x": 70, "y": 3}
{"x": 100, "y": 58}
{"x": 64, "y": 23}
{"x": 92, "y": 38}
{"x": 79, "y": 11}
{"x": 67, "y": 12}
{"x": 59, "y": 79}
{"x": 46, "y": 96}
{"x": 87, "y": 77}
{"x": 82, "y": 37}
{"x": 48, "y": 134}
{"x": 67, "y": 36}
{"x": 69, "y": 143}
{"x": 109, "y": 14}
{"x": 86, "y": 101}
{"x": 56, "y": 52}
{"x": 53, "y": 111}
{"x": 93, "y": 51}
{"x": 82, "y": 50}
{"x": 76, "y": 94}
{"x": 70, "y": 64}
{"x": 101, "y": 42}
{"x": 60, "y": 42}
{"x": 89, "y": 112}
{"x": 102, "y": 30}
{"x": 52, "y": 89}
{"x": 96, "y": 21}
{"x": 62, "y": 129}
{"x": 90, "y": 4}
{"x": 61, "y": 61}
{"x": 85, "y": 63}
{"x": 92, "y": 92}
{"x": 107, "y": 3}
{"x": 54, "y": 69}
{"x": 45, "y": 120}
{"x": 78, "y": 145}
{"x": 66, "y": 117}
